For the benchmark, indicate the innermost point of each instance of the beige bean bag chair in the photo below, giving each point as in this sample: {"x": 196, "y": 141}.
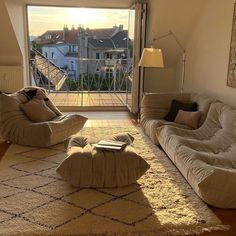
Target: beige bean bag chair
{"x": 17, "y": 127}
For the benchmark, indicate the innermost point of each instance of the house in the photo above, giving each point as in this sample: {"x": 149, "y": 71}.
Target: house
{"x": 204, "y": 27}
{"x": 85, "y": 51}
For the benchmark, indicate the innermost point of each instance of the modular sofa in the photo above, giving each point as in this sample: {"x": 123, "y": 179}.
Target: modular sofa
{"x": 206, "y": 156}
{"x": 155, "y": 106}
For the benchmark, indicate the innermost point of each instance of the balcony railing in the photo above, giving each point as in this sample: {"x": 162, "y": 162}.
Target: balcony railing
{"x": 83, "y": 76}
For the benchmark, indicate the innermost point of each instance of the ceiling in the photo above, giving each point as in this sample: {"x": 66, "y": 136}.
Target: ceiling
{"x": 83, "y": 3}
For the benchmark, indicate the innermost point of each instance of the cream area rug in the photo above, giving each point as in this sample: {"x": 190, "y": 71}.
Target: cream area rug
{"x": 34, "y": 200}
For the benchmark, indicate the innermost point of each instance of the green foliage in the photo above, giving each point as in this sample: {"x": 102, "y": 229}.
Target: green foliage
{"x": 96, "y": 83}
{"x": 37, "y": 46}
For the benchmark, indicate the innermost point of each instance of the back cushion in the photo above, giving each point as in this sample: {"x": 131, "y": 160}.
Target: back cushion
{"x": 204, "y": 103}
{"x": 227, "y": 119}
{"x": 12, "y": 117}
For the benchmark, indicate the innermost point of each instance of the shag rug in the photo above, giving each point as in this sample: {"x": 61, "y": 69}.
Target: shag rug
{"x": 34, "y": 200}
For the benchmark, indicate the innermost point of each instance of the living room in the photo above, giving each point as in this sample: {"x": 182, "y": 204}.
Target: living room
{"x": 205, "y": 30}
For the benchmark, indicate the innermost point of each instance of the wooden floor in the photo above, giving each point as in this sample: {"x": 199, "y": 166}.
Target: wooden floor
{"x": 101, "y": 119}
{"x": 86, "y": 99}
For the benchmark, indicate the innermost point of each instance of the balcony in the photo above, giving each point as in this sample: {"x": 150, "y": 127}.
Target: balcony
{"x": 85, "y": 83}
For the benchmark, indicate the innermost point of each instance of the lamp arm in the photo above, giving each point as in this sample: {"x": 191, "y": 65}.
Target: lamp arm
{"x": 175, "y": 38}
{"x": 170, "y": 33}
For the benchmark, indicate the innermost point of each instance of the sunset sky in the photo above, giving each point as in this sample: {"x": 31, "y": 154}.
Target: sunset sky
{"x": 42, "y": 19}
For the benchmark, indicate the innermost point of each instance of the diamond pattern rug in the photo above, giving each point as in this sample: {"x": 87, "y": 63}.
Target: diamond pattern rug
{"x": 34, "y": 200}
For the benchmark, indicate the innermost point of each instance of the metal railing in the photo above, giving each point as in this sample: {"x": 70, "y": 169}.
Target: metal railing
{"x": 84, "y": 75}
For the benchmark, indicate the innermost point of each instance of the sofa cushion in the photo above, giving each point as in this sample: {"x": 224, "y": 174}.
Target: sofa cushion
{"x": 189, "y": 118}
{"x": 203, "y": 103}
{"x": 176, "y": 106}
{"x": 150, "y": 127}
{"x": 87, "y": 166}
{"x": 37, "y": 110}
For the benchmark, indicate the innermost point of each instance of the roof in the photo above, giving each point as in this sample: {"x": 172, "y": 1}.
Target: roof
{"x": 101, "y": 32}
{"x": 106, "y": 38}
{"x": 120, "y": 39}
{"x": 56, "y": 36}
{"x": 101, "y": 43}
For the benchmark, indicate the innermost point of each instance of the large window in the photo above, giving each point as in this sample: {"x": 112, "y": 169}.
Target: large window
{"x": 79, "y": 49}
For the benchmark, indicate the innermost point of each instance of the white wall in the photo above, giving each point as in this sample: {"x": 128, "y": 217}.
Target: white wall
{"x": 10, "y": 53}
{"x": 208, "y": 52}
{"x": 17, "y": 14}
{"x": 164, "y": 15}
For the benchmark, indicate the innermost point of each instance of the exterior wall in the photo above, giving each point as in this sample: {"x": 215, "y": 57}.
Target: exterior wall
{"x": 73, "y": 67}
{"x": 208, "y": 52}
{"x": 58, "y": 51}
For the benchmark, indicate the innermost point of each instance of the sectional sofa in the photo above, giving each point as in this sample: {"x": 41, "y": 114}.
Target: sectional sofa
{"x": 206, "y": 156}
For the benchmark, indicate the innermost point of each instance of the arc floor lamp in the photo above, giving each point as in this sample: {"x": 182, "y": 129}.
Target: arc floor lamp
{"x": 152, "y": 57}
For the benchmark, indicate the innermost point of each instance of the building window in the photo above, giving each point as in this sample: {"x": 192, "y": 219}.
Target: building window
{"x": 109, "y": 73}
{"x": 52, "y": 55}
{"x": 97, "y": 55}
{"x": 109, "y": 56}
{"x": 46, "y": 54}
{"x": 72, "y": 65}
{"x": 48, "y": 36}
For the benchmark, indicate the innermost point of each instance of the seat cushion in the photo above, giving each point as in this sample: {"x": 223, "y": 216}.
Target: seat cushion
{"x": 150, "y": 127}
{"x": 86, "y": 166}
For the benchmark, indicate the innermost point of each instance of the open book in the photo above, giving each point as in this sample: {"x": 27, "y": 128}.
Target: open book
{"x": 110, "y": 145}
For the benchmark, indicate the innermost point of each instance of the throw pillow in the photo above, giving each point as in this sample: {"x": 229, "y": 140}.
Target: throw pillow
{"x": 178, "y": 105}
{"x": 189, "y": 118}
{"x": 86, "y": 166}
{"x": 37, "y": 110}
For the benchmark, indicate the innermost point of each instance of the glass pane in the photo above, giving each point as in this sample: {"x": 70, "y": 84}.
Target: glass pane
{"x": 82, "y": 56}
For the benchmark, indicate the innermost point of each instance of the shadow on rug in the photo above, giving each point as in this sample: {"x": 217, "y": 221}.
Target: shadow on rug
{"x": 34, "y": 200}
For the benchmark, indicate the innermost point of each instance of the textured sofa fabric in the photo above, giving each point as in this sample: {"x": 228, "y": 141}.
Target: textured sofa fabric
{"x": 154, "y": 108}
{"x": 17, "y": 128}
{"x": 206, "y": 156}
{"x": 87, "y": 166}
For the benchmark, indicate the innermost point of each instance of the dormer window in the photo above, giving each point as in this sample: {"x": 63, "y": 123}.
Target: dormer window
{"x": 48, "y": 36}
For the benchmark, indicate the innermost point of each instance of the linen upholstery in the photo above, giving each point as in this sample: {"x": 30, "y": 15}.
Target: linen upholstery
{"x": 206, "y": 156}
{"x": 87, "y": 166}
{"x": 17, "y": 128}
{"x": 155, "y": 106}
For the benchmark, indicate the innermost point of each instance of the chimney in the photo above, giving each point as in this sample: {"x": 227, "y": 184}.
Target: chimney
{"x": 120, "y": 27}
{"x": 65, "y": 32}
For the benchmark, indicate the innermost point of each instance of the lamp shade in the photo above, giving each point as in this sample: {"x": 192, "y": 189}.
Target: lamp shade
{"x": 151, "y": 57}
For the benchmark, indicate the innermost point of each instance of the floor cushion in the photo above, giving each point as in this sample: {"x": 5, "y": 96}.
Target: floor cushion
{"x": 87, "y": 166}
